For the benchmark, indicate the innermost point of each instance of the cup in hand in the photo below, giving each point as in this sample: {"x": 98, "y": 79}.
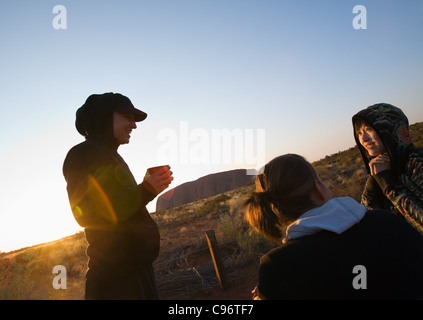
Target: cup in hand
{"x": 157, "y": 169}
{"x": 158, "y": 179}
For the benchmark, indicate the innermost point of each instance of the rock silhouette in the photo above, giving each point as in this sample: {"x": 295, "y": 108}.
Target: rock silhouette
{"x": 203, "y": 187}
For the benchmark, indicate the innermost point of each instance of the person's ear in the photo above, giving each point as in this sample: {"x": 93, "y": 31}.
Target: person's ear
{"x": 318, "y": 190}
{"x": 321, "y": 192}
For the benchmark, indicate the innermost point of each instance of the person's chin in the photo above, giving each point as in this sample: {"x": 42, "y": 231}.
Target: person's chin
{"x": 124, "y": 141}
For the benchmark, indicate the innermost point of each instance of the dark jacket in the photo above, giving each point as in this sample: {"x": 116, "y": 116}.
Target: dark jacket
{"x": 400, "y": 189}
{"x": 108, "y": 202}
{"x": 321, "y": 266}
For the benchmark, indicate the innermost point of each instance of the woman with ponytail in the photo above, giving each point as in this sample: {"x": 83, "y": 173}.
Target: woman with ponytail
{"x": 324, "y": 240}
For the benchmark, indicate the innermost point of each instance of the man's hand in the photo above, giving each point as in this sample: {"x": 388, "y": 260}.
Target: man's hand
{"x": 158, "y": 180}
{"x": 381, "y": 163}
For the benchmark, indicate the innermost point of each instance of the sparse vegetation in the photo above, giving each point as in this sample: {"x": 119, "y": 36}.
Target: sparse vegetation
{"x": 27, "y": 273}
{"x": 184, "y": 258}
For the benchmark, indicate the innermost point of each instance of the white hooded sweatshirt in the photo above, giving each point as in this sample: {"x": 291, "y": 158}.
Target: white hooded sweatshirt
{"x": 336, "y": 215}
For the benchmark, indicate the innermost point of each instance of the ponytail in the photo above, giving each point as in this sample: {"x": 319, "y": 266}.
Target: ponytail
{"x": 283, "y": 193}
{"x": 261, "y": 216}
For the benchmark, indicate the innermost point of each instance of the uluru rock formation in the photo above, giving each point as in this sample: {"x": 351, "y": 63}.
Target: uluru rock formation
{"x": 203, "y": 187}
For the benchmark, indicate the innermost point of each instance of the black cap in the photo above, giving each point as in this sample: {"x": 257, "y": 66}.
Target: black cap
{"x": 95, "y": 116}
{"x": 124, "y": 105}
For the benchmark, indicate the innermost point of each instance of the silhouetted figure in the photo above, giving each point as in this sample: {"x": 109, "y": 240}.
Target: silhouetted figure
{"x": 108, "y": 202}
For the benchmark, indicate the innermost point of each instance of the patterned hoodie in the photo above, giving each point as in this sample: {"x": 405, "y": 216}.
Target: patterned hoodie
{"x": 401, "y": 188}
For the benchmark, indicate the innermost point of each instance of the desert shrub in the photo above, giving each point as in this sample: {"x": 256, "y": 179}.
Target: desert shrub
{"x": 233, "y": 228}
{"x": 183, "y": 216}
{"x": 215, "y": 203}
{"x": 228, "y": 228}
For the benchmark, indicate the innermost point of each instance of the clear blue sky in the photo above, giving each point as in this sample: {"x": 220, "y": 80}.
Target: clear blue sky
{"x": 296, "y": 69}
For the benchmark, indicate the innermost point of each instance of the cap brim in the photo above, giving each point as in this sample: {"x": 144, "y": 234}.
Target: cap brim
{"x": 130, "y": 109}
{"x": 139, "y": 115}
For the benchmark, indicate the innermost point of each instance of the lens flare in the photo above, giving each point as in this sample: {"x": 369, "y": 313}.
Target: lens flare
{"x": 102, "y": 201}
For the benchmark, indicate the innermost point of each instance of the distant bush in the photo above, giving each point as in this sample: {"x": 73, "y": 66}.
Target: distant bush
{"x": 233, "y": 228}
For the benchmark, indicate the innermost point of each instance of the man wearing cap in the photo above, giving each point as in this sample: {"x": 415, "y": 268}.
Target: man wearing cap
{"x": 110, "y": 205}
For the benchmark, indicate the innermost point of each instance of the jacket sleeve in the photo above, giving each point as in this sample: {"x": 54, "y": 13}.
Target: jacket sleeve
{"x": 101, "y": 194}
{"x": 372, "y": 197}
{"x": 407, "y": 197}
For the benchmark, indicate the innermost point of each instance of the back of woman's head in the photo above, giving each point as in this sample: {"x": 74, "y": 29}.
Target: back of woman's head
{"x": 283, "y": 192}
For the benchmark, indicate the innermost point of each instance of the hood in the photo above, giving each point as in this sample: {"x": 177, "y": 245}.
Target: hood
{"x": 94, "y": 119}
{"x": 337, "y": 215}
{"x": 392, "y": 126}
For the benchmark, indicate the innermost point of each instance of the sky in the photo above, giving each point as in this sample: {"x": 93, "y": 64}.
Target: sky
{"x": 226, "y": 84}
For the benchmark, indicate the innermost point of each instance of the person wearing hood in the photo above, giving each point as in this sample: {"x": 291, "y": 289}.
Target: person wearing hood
{"x": 395, "y": 165}
{"x": 123, "y": 240}
{"x": 323, "y": 240}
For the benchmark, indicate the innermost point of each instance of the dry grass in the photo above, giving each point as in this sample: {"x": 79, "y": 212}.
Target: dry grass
{"x": 27, "y": 273}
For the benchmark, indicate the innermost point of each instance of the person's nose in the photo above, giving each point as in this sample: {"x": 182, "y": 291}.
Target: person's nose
{"x": 366, "y": 136}
{"x": 133, "y": 125}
